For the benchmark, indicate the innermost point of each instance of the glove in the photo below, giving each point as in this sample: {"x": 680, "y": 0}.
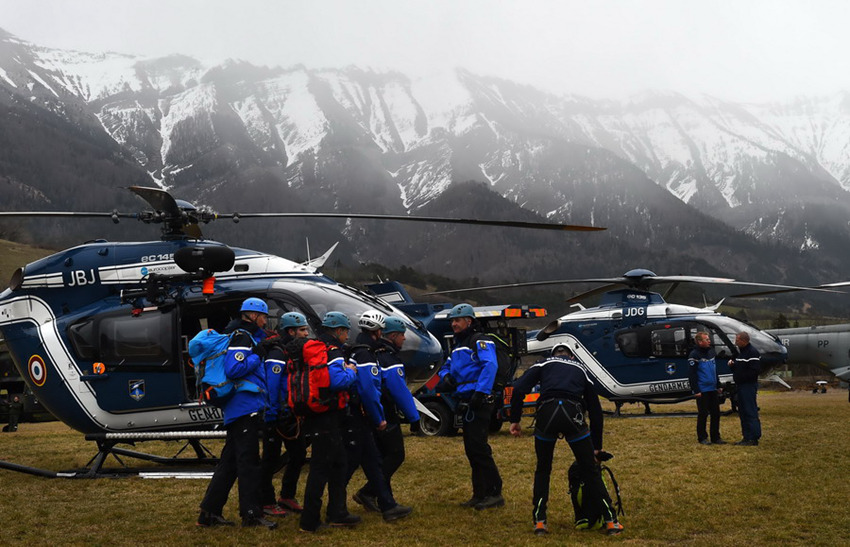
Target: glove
{"x": 477, "y": 400}
{"x": 446, "y": 384}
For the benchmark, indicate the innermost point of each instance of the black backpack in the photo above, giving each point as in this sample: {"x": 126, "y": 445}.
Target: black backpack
{"x": 591, "y": 502}
{"x": 504, "y": 358}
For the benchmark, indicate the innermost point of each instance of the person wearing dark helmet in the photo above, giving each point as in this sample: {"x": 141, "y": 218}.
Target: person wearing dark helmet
{"x": 281, "y": 425}
{"x": 566, "y": 396}
{"x": 240, "y": 457}
{"x": 470, "y": 371}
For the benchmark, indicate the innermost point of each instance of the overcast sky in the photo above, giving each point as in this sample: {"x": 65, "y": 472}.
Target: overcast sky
{"x": 744, "y": 50}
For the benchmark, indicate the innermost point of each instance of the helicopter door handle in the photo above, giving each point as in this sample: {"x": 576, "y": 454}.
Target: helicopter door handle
{"x": 94, "y": 377}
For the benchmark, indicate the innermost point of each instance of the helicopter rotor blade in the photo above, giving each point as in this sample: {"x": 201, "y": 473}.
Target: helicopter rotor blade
{"x": 642, "y": 282}
{"x": 447, "y": 220}
{"x": 527, "y": 284}
{"x": 114, "y": 215}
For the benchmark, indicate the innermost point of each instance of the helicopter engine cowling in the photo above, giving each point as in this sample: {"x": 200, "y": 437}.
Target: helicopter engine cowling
{"x": 207, "y": 259}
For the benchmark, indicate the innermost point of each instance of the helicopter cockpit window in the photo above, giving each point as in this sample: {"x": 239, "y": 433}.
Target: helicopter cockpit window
{"x": 125, "y": 339}
{"x": 669, "y": 342}
{"x": 145, "y": 338}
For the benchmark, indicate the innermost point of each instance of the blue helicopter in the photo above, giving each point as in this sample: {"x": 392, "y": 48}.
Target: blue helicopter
{"x": 635, "y": 344}
{"x": 99, "y": 331}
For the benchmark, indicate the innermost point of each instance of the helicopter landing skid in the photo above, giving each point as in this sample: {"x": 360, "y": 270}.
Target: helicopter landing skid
{"x": 107, "y": 442}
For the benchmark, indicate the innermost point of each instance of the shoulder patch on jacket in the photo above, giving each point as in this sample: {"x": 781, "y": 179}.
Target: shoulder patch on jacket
{"x": 482, "y": 344}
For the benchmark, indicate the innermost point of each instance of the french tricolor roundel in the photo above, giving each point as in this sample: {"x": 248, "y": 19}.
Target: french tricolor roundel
{"x": 37, "y": 370}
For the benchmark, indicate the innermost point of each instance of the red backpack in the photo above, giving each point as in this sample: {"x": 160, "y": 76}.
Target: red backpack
{"x": 309, "y": 379}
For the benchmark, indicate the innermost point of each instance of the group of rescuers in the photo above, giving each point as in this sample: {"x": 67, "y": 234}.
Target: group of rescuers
{"x": 365, "y": 431}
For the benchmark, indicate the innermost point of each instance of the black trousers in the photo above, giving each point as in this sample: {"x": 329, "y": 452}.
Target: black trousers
{"x": 240, "y": 458}
{"x": 363, "y": 452}
{"x": 708, "y": 405}
{"x": 296, "y": 451}
{"x": 328, "y": 466}
{"x": 391, "y": 446}
{"x": 566, "y": 418}
{"x": 486, "y": 480}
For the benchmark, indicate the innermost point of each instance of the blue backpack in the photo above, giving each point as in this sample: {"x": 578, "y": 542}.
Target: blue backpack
{"x": 207, "y": 351}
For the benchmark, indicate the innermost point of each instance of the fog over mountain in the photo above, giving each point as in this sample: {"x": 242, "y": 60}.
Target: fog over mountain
{"x": 684, "y": 184}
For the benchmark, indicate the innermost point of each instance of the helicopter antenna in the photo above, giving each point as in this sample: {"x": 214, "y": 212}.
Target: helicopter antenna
{"x": 307, "y": 239}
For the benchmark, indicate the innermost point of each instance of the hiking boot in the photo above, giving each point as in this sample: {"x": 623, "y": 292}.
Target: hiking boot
{"x": 397, "y": 512}
{"x": 319, "y": 528}
{"x": 490, "y": 501}
{"x": 274, "y": 510}
{"x": 206, "y": 520}
{"x": 471, "y": 502}
{"x": 540, "y": 528}
{"x": 718, "y": 441}
{"x": 248, "y": 522}
{"x": 613, "y": 528}
{"x": 746, "y": 442}
{"x": 290, "y": 504}
{"x": 705, "y": 441}
{"x": 347, "y": 520}
{"x": 370, "y": 503}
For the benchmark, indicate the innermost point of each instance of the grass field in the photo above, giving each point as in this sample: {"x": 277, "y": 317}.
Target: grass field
{"x": 792, "y": 489}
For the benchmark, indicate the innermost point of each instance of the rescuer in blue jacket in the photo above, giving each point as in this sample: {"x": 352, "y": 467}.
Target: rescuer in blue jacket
{"x": 395, "y": 399}
{"x": 368, "y": 417}
{"x": 566, "y": 397}
{"x": 746, "y": 367}
{"x": 281, "y": 425}
{"x": 328, "y": 462}
{"x": 240, "y": 457}
{"x": 705, "y": 385}
{"x": 470, "y": 372}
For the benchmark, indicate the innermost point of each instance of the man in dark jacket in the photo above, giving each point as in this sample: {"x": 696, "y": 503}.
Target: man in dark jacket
{"x": 746, "y": 367}
{"x": 705, "y": 385}
{"x": 566, "y": 397}
{"x": 240, "y": 457}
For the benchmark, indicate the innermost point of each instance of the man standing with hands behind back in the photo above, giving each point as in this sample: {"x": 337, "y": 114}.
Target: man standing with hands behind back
{"x": 745, "y": 371}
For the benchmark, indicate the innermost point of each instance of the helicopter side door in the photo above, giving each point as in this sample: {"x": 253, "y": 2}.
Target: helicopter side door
{"x": 130, "y": 360}
{"x": 657, "y": 352}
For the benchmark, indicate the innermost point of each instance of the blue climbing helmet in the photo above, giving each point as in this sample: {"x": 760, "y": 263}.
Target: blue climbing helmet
{"x": 292, "y": 320}
{"x": 462, "y": 310}
{"x": 255, "y": 304}
{"x": 393, "y": 324}
{"x": 335, "y": 319}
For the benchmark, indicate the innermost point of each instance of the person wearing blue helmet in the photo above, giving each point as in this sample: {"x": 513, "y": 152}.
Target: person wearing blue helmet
{"x": 470, "y": 372}
{"x": 281, "y": 424}
{"x": 328, "y": 462}
{"x": 397, "y": 401}
{"x": 240, "y": 457}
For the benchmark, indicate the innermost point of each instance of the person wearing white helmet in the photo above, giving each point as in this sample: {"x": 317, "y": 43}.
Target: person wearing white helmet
{"x": 396, "y": 400}
{"x": 368, "y": 415}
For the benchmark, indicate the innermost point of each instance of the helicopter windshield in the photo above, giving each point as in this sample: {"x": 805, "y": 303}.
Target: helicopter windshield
{"x": 761, "y": 341}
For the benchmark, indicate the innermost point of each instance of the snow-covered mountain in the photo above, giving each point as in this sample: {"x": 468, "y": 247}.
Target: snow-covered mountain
{"x": 353, "y": 139}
